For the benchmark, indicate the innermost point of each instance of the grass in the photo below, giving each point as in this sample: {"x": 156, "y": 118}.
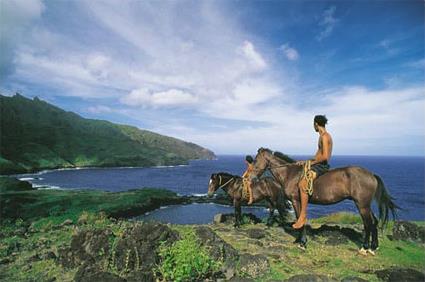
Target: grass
{"x": 339, "y": 261}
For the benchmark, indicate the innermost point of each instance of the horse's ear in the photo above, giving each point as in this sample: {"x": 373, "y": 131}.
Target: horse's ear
{"x": 260, "y": 149}
{"x": 213, "y": 176}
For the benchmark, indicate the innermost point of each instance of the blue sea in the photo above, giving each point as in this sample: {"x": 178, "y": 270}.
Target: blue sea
{"x": 403, "y": 177}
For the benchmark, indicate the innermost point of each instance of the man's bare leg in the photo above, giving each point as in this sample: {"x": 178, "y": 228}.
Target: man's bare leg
{"x": 250, "y": 193}
{"x": 302, "y": 218}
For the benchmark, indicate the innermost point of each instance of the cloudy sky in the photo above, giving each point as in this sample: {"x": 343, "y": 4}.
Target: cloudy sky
{"x": 229, "y": 75}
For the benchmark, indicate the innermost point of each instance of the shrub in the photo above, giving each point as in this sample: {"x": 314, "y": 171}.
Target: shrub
{"x": 186, "y": 260}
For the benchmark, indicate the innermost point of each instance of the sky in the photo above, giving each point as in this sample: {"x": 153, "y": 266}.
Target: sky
{"x": 231, "y": 76}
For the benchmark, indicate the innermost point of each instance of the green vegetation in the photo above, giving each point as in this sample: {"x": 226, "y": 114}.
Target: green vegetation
{"x": 17, "y": 200}
{"x": 9, "y": 184}
{"x": 186, "y": 260}
{"x": 37, "y": 135}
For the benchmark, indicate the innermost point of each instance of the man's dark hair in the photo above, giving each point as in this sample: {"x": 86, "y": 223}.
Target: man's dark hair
{"x": 249, "y": 159}
{"x": 321, "y": 120}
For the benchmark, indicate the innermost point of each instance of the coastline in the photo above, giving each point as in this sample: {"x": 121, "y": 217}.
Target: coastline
{"x": 76, "y": 229}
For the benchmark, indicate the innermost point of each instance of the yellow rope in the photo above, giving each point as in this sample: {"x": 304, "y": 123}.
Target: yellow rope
{"x": 245, "y": 190}
{"x": 308, "y": 175}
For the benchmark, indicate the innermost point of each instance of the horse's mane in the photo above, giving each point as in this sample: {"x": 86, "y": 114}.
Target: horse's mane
{"x": 279, "y": 155}
{"x": 228, "y": 174}
{"x": 284, "y": 157}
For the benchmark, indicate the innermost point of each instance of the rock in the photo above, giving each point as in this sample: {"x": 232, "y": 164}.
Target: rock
{"x": 67, "y": 222}
{"x": 88, "y": 273}
{"x": 137, "y": 249}
{"x": 336, "y": 235}
{"x": 404, "y": 230}
{"x": 20, "y": 231}
{"x": 145, "y": 276}
{"x": 253, "y": 265}
{"x": 48, "y": 255}
{"x": 218, "y": 250}
{"x": 241, "y": 279}
{"x": 310, "y": 278}
{"x": 353, "y": 279}
{"x": 256, "y": 233}
{"x": 397, "y": 274}
{"x": 35, "y": 257}
{"x": 216, "y": 246}
{"x": 87, "y": 246}
{"x": 229, "y": 218}
{"x": 5, "y": 260}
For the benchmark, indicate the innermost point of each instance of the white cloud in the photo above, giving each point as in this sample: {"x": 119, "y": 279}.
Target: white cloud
{"x": 168, "y": 98}
{"x": 362, "y": 121}
{"x": 99, "y": 109}
{"x": 290, "y": 53}
{"x": 327, "y": 23}
{"x": 255, "y": 59}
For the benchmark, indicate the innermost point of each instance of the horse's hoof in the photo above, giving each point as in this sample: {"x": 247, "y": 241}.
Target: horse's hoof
{"x": 302, "y": 247}
{"x": 372, "y": 252}
{"x": 363, "y": 252}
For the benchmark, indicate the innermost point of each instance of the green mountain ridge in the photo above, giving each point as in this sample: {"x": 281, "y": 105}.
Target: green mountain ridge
{"x": 36, "y": 135}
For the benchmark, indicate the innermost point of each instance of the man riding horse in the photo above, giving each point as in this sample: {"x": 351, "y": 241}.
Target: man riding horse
{"x": 315, "y": 167}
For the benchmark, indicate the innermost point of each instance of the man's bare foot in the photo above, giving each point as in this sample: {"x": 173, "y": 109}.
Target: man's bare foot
{"x": 300, "y": 223}
{"x": 250, "y": 201}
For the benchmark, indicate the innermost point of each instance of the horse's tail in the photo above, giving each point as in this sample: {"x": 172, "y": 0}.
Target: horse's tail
{"x": 385, "y": 202}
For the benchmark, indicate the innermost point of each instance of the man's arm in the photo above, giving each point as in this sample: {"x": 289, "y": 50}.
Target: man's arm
{"x": 322, "y": 155}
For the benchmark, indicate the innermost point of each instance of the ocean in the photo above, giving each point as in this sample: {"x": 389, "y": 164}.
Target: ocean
{"x": 403, "y": 177}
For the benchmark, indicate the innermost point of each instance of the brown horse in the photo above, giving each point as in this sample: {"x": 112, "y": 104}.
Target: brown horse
{"x": 352, "y": 182}
{"x": 264, "y": 189}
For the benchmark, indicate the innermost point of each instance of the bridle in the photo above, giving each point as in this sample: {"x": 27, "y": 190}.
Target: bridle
{"x": 219, "y": 182}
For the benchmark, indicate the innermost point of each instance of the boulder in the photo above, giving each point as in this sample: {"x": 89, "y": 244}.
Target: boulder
{"x": 256, "y": 233}
{"x": 137, "y": 249}
{"x": 253, "y": 265}
{"x": 138, "y": 275}
{"x": 396, "y": 274}
{"x": 229, "y": 218}
{"x": 336, "y": 235}
{"x": 87, "y": 246}
{"x": 310, "y": 278}
{"x": 404, "y": 230}
{"x": 135, "y": 252}
{"x": 218, "y": 250}
{"x": 89, "y": 273}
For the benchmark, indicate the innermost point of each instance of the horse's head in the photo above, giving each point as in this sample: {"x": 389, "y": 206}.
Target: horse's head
{"x": 213, "y": 185}
{"x": 267, "y": 159}
{"x": 261, "y": 162}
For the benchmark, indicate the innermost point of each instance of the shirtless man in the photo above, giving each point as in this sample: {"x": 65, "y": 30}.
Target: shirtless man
{"x": 319, "y": 165}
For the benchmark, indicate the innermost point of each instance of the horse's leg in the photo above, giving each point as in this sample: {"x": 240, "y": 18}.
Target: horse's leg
{"x": 366, "y": 215}
{"x": 271, "y": 213}
{"x": 281, "y": 210}
{"x": 302, "y": 235}
{"x": 374, "y": 245}
{"x": 303, "y": 238}
{"x": 238, "y": 212}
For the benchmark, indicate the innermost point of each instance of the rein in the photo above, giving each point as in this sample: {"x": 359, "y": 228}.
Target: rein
{"x": 221, "y": 186}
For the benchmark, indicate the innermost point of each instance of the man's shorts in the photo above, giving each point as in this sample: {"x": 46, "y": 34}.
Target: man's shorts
{"x": 320, "y": 168}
